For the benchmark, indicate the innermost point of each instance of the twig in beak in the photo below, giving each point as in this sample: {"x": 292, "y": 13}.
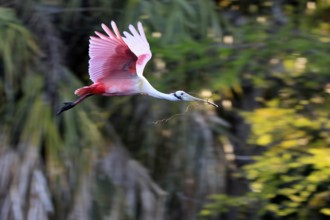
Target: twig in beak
{"x": 211, "y": 103}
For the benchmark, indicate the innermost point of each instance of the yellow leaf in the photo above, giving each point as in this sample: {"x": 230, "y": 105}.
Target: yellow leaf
{"x": 264, "y": 139}
{"x": 325, "y": 211}
{"x": 205, "y": 212}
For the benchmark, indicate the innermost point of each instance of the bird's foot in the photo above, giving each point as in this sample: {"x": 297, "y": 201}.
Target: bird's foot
{"x": 67, "y": 106}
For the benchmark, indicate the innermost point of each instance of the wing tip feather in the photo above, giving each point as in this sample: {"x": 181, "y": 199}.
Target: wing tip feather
{"x": 103, "y": 25}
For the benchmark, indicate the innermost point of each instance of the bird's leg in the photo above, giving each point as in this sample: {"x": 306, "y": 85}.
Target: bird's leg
{"x": 69, "y": 105}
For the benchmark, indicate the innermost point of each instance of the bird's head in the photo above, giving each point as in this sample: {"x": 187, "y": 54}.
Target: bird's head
{"x": 183, "y": 96}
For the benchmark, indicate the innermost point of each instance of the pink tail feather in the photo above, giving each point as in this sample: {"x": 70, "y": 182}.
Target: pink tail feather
{"x": 97, "y": 88}
{"x": 83, "y": 91}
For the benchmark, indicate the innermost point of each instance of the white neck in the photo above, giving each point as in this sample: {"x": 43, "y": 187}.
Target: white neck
{"x": 148, "y": 89}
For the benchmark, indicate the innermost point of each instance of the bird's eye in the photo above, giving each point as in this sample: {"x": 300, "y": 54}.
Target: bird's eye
{"x": 181, "y": 93}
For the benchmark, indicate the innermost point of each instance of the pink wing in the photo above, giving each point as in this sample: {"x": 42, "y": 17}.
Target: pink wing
{"x": 112, "y": 57}
{"x": 138, "y": 44}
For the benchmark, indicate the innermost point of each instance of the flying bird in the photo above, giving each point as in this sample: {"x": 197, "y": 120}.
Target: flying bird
{"x": 116, "y": 67}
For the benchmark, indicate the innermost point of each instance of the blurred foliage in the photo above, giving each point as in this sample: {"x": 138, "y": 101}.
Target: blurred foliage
{"x": 288, "y": 65}
{"x": 76, "y": 166}
{"x": 265, "y": 61}
{"x": 186, "y": 19}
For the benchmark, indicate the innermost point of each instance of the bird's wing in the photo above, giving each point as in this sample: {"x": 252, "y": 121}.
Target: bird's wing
{"x": 110, "y": 56}
{"x": 138, "y": 44}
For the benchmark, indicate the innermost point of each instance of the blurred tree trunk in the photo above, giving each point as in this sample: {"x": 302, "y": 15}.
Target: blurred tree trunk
{"x": 24, "y": 188}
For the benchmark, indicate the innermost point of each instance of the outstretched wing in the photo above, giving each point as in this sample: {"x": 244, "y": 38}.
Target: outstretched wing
{"x": 138, "y": 44}
{"x": 110, "y": 56}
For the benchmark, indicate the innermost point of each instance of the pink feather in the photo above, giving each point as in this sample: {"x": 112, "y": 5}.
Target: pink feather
{"x": 114, "y": 56}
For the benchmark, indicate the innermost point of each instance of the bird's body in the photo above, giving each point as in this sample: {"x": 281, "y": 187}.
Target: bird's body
{"x": 116, "y": 66}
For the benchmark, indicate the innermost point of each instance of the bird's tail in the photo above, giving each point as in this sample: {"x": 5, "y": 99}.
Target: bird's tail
{"x": 83, "y": 91}
{"x": 96, "y": 88}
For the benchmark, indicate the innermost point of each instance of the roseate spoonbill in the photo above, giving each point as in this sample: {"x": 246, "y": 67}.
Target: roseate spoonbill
{"x": 116, "y": 65}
